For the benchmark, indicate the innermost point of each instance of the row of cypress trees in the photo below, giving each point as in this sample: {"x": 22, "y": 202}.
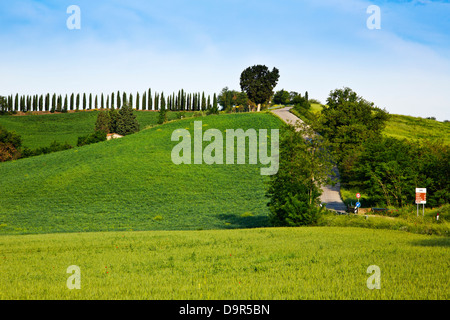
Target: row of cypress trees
{"x": 180, "y": 101}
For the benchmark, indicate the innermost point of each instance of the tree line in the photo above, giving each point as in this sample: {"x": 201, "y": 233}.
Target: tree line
{"x": 180, "y": 101}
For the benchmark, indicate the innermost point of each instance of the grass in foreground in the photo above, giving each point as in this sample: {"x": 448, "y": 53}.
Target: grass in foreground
{"x": 273, "y": 263}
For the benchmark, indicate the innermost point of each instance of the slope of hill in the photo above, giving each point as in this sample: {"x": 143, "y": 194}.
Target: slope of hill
{"x": 41, "y": 130}
{"x": 413, "y": 128}
{"x": 132, "y": 183}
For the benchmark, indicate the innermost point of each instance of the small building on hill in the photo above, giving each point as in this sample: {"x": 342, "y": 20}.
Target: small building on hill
{"x": 110, "y": 136}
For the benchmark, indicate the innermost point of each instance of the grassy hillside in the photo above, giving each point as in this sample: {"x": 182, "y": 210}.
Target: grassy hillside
{"x": 271, "y": 263}
{"x": 131, "y": 183}
{"x": 41, "y": 130}
{"x": 412, "y": 128}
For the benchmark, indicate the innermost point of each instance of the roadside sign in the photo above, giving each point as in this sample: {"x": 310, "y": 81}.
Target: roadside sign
{"x": 358, "y": 204}
{"x": 358, "y": 195}
{"x": 421, "y": 195}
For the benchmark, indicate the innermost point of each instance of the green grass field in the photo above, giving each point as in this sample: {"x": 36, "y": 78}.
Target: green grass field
{"x": 412, "y": 128}
{"x": 132, "y": 184}
{"x": 271, "y": 263}
{"x": 140, "y": 227}
{"x": 41, "y": 130}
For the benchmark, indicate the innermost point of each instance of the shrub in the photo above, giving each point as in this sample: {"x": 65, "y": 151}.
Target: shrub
{"x": 10, "y": 144}
{"x": 54, "y": 147}
{"x": 295, "y": 212}
{"x": 95, "y": 137}
{"x": 126, "y": 121}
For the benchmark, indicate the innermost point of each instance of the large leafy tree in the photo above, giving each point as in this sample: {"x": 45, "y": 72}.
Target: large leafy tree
{"x": 282, "y": 97}
{"x": 348, "y": 121}
{"x": 305, "y": 165}
{"x": 258, "y": 82}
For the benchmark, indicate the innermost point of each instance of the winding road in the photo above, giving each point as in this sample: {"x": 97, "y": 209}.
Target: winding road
{"x": 331, "y": 194}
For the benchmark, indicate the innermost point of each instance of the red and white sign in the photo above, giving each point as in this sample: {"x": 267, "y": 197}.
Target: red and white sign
{"x": 421, "y": 195}
{"x": 358, "y": 195}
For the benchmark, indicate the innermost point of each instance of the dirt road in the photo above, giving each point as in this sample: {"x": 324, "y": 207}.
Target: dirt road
{"x": 331, "y": 194}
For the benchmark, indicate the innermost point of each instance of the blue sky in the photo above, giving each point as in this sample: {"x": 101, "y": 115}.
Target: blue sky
{"x": 204, "y": 45}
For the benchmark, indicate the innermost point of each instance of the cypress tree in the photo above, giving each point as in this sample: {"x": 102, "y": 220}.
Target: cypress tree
{"x": 126, "y": 121}
{"x": 203, "y": 101}
{"x": 64, "y": 109}
{"x": 179, "y": 100}
{"x": 53, "y": 103}
{"x": 84, "y": 101}
{"x": 41, "y": 102}
{"x": 58, "y": 103}
{"x": 107, "y": 102}
{"x": 214, "y": 101}
{"x": 96, "y": 102}
{"x": 150, "y": 100}
{"x": 103, "y": 121}
{"x": 118, "y": 100}
{"x": 124, "y": 99}
{"x": 138, "y": 101}
{"x": 23, "y": 106}
{"x": 183, "y": 100}
{"x": 163, "y": 101}
{"x": 144, "y": 101}
{"x": 77, "y": 102}
{"x": 102, "y": 102}
{"x": 47, "y": 102}
{"x": 131, "y": 100}
{"x": 71, "y": 101}
{"x": 156, "y": 101}
{"x": 208, "y": 104}
{"x": 90, "y": 101}
{"x": 112, "y": 101}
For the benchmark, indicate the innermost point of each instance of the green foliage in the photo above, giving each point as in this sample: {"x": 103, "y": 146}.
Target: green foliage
{"x": 213, "y": 110}
{"x": 258, "y": 82}
{"x": 162, "y": 114}
{"x": 227, "y": 99}
{"x": 303, "y": 168}
{"x": 297, "y": 211}
{"x": 389, "y": 170}
{"x": 127, "y": 122}
{"x": 95, "y": 137}
{"x": 54, "y": 147}
{"x": 348, "y": 121}
{"x": 281, "y": 97}
{"x": 10, "y": 144}
{"x": 103, "y": 121}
